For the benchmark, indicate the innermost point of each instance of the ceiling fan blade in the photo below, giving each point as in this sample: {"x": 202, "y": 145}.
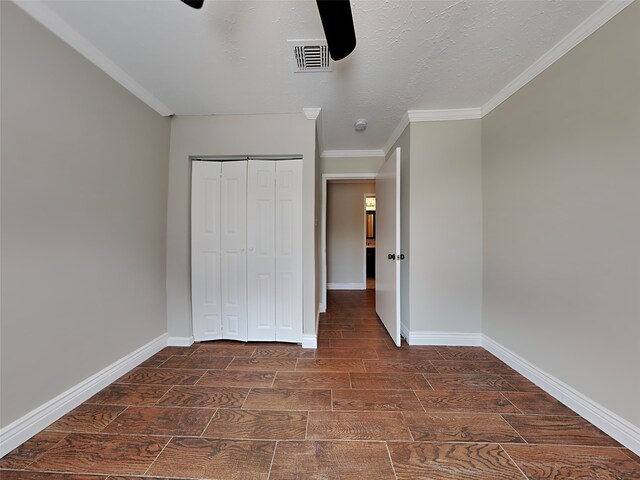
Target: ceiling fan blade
{"x": 194, "y": 3}
{"x": 337, "y": 22}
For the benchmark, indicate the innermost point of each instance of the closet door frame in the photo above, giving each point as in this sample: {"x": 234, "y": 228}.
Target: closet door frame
{"x": 246, "y": 250}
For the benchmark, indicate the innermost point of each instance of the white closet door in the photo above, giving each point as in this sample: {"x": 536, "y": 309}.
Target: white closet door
{"x": 261, "y": 262}
{"x": 233, "y": 239}
{"x": 205, "y": 251}
{"x": 288, "y": 250}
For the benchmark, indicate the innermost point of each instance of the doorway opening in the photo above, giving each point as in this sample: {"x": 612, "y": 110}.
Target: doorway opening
{"x": 386, "y": 296}
{"x": 370, "y": 240}
{"x": 343, "y": 232}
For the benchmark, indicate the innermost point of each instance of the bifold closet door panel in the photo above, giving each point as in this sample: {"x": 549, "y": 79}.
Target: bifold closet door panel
{"x": 233, "y": 261}
{"x": 261, "y": 263}
{"x": 288, "y": 227}
{"x": 205, "y": 251}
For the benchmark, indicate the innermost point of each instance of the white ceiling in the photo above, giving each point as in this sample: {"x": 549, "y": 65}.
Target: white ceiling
{"x": 232, "y": 57}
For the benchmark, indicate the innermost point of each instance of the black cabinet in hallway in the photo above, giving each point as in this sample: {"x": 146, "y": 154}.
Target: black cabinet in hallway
{"x": 371, "y": 262}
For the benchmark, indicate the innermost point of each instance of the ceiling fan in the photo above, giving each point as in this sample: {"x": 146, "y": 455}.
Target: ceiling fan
{"x": 337, "y": 22}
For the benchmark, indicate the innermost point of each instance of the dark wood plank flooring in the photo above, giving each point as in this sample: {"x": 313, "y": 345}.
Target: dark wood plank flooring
{"x": 355, "y": 408}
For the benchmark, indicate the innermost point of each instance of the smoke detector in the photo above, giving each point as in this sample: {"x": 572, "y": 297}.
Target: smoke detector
{"x": 360, "y": 125}
{"x": 310, "y": 56}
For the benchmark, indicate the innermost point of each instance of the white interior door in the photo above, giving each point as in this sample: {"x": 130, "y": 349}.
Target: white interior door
{"x": 233, "y": 261}
{"x": 388, "y": 245}
{"x": 261, "y": 260}
{"x": 288, "y": 238}
{"x": 205, "y": 251}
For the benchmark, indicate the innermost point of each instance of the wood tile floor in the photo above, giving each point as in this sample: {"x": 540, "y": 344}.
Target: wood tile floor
{"x": 356, "y": 408}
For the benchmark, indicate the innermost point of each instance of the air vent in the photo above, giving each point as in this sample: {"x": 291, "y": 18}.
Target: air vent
{"x": 310, "y": 56}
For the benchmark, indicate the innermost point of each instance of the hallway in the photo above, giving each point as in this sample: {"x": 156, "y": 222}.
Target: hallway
{"x": 355, "y": 408}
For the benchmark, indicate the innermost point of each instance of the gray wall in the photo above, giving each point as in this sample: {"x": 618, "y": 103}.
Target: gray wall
{"x": 84, "y": 195}
{"x": 351, "y": 164}
{"x": 446, "y": 226}
{"x": 345, "y": 231}
{"x": 286, "y": 134}
{"x": 561, "y": 173}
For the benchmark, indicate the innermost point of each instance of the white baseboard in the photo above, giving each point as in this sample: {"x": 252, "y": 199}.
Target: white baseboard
{"x": 612, "y": 424}
{"x": 180, "y": 341}
{"x": 442, "y": 338}
{"x": 346, "y": 286}
{"x": 404, "y": 331}
{"x": 309, "y": 341}
{"x": 33, "y": 422}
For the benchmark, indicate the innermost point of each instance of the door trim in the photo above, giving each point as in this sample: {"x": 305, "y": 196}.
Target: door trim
{"x": 323, "y": 228}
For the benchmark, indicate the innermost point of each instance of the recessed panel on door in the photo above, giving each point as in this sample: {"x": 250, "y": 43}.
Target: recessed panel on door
{"x": 288, "y": 250}
{"x": 261, "y": 288}
{"x": 205, "y": 250}
{"x": 233, "y": 234}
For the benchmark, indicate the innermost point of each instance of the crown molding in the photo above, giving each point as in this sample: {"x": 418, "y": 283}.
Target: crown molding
{"x": 42, "y": 14}
{"x": 409, "y": 117}
{"x": 430, "y": 116}
{"x": 311, "y": 113}
{"x": 404, "y": 123}
{"x": 315, "y": 114}
{"x": 445, "y": 114}
{"x": 597, "y": 19}
{"x": 351, "y": 153}
{"x": 601, "y": 16}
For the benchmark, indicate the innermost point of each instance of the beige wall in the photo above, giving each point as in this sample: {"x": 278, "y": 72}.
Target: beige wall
{"x": 351, "y": 165}
{"x": 446, "y": 226}
{"x": 287, "y": 134}
{"x": 84, "y": 194}
{"x": 561, "y": 173}
{"x": 345, "y": 232}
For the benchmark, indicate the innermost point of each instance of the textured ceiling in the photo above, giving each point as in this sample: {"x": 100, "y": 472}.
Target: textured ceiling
{"x": 232, "y": 57}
